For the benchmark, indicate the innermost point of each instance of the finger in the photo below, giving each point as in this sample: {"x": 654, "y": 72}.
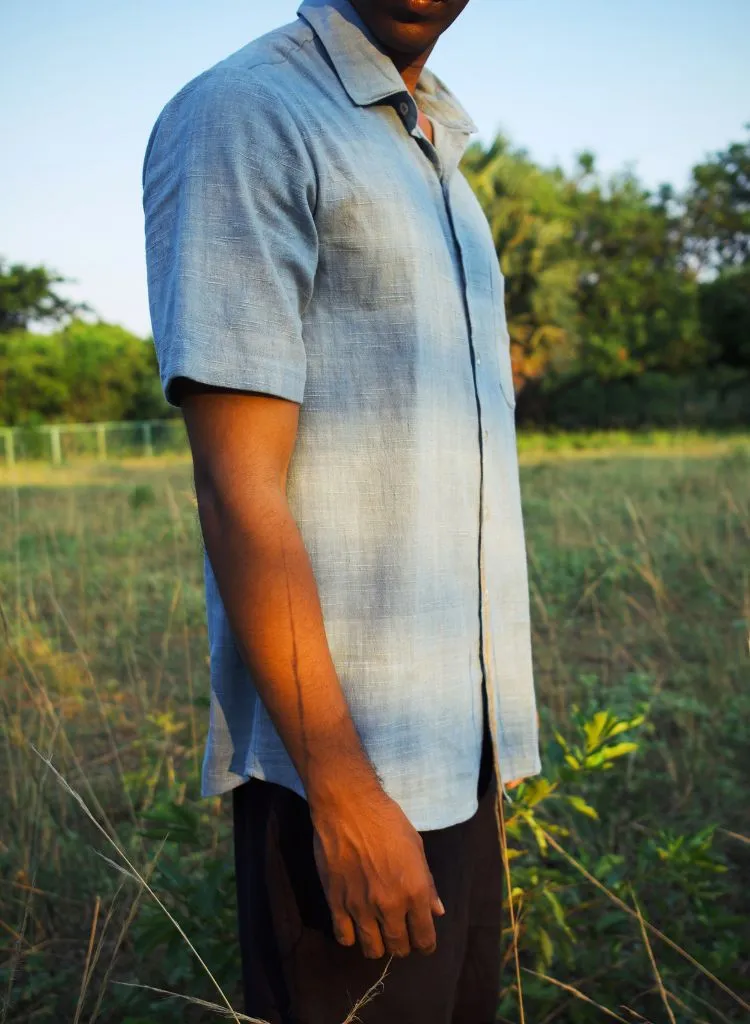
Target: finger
{"x": 436, "y": 904}
{"x": 341, "y": 921}
{"x": 343, "y": 928}
{"x": 421, "y": 926}
{"x": 370, "y": 938}
{"x": 395, "y": 934}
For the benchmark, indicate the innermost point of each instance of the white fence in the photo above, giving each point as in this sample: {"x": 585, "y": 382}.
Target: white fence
{"x": 59, "y": 443}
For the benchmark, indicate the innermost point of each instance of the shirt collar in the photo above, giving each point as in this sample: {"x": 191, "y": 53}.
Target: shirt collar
{"x": 367, "y": 73}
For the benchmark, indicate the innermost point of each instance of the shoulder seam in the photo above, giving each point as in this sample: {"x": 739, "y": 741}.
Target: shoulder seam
{"x": 299, "y": 123}
{"x": 293, "y": 44}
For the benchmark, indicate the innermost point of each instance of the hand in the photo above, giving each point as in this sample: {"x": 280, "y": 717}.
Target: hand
{"x": 375, "y": 877}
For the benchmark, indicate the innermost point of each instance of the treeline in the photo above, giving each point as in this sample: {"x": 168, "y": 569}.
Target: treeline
{"x": 81, "y": 372}
{"x": 627, "y": 307}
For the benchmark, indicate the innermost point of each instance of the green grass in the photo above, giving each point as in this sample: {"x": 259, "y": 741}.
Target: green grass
{"x": 640, "y": 594}
{"x": 692, "y": 443}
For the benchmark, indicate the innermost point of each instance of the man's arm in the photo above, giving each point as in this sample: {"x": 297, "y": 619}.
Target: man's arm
{"x": 371, "y": 860}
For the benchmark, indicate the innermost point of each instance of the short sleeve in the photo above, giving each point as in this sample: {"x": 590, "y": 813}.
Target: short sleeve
{"x": 231, "y": 247}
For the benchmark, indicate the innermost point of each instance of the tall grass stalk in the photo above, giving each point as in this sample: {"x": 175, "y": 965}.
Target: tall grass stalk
{"x": 141, "y": 880}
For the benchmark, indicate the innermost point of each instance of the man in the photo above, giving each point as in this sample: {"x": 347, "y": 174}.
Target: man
{"x": 328, "y": 314}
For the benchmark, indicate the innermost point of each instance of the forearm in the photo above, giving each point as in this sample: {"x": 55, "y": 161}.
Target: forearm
{"x": 268, "y": 588}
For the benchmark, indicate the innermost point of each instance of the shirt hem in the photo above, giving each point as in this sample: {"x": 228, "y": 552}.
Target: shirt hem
{"x": 420, "y": 819}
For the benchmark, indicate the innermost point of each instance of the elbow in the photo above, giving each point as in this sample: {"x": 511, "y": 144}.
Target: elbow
{"x": 245, "y": 505}
{"x": 211, "y": 506}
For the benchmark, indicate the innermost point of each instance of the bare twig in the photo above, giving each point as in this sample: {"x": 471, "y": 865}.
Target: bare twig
{"x": 577, "y": 993}
{"x": 368, "y": 997}
{"x": 87, "y": 964}
{"x": 649, "y": 950}
{"x": 221, "y": 1010}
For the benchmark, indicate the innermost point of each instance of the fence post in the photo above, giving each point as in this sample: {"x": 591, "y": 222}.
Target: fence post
{"x": 147, "y": 442}
{"x": 101, "y": 440}
{"x": 10, "y": 454}
{"x": 54, "y": 436}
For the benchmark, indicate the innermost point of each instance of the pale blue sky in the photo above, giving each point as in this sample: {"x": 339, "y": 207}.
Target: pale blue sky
{"x": 656, "y": 83}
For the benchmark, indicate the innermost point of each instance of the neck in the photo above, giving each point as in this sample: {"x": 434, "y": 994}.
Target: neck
{"x": 409, "y": 66}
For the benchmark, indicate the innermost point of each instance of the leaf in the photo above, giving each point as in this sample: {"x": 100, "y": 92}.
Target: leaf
{"x": 561, "y": 740}
{"x": 619, "y": 750}
{"x": 580, "y": 805}
{"x": 538, "y": 833}
{"x": 557, "y": 911}
{"x": 175, "y": 822}
{"x": 548, "y": 950}
{"x": 594, "y": 730}
{"x": 536, "y": 790}
{"x": 624, "y": 726}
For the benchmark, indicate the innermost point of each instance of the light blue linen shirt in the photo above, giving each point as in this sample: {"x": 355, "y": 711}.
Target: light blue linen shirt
{"x": 304, "y": 239}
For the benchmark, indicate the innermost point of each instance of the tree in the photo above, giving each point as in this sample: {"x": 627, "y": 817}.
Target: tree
{"x": 718, "y": 208}
{"x": 107, "y": 370}
{"x": 637, "y": 301}
{"x": 725, "y": 316}
{"x": 27, "y": 296}
{"x": 84, "y": 373}
{"x": 32, "y": 386}
{"x": 531, "y": 225}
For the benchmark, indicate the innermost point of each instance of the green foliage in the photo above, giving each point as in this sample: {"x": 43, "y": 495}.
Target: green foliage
{"x": 725, "y": 317}
{"x": 637, "y": 302}
{"x": 566, "y": 924}
{"x": 532, "y": 226}
{"x": 609, "y": 324}
{"x": 109, "y": 372}
{"x": 199, "y": 891}
{"x": 718, "y": 207}
{"x": 83, "y": 373}
{"x": 717, "y": 399}
{"x": 142, "y": 494}
{"x": 27, "y": 296}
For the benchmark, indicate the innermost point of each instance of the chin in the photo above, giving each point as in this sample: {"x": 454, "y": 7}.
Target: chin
{"x": 409, "y": 26}
{"x": 407, "y": 38}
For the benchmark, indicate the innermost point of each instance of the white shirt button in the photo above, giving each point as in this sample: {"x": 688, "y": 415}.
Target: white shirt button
{"x": 479, "y": 361}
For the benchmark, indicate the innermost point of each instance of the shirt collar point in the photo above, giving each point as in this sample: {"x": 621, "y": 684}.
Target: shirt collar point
{"x": 366, "y": 73}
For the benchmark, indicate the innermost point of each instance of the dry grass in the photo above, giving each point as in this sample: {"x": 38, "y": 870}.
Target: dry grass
{"x": 640, "y": 589}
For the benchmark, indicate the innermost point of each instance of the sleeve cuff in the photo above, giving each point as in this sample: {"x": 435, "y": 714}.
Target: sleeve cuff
{"x": 270, "y": 378}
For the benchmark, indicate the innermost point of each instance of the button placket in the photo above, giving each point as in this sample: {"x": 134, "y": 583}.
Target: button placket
{"x": 484, "y": 618}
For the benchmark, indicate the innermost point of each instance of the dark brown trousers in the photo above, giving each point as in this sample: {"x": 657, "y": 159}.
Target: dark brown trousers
{"x": 294, "y": 972}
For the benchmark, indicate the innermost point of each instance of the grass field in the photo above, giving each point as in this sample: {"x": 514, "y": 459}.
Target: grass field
{"x": 640, "y": 587}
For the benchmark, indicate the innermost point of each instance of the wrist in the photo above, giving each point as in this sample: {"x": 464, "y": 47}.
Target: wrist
{"x": 341, "y": 784}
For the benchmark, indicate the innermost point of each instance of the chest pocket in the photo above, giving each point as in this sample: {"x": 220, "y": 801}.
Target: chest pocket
{"x": 482, "y": 269}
